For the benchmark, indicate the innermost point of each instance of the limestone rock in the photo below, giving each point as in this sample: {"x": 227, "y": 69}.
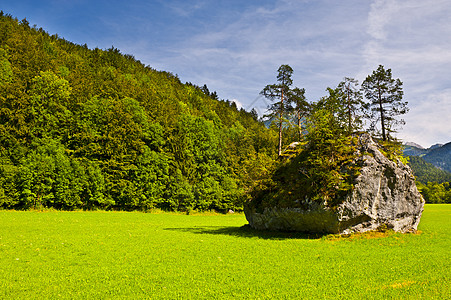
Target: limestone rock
{"x": 384, "y": 194}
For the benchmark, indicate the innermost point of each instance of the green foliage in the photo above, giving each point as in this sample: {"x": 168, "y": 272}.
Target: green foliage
{"x": 47, "y": 177}
{"x": 426, "y": 172}
{"x": 89, "y": 129}
{"x": 393, "y": 150}
{"x": 433, "y": 183}
{"x": 346, "y": 104}
{"x": 329, "y": 164}
{"x": 323, "y": 169}
{"x": 6, "y": 73}
{"x": 434, "y": 192}
{"x": 49, "y": 96}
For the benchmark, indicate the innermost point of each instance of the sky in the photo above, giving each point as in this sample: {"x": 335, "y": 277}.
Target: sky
{"x": 235, "y": 47}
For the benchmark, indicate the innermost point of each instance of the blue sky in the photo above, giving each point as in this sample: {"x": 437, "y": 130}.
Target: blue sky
{"x": 235, "y": 47}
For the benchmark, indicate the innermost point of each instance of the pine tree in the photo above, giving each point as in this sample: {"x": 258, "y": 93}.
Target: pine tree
{"x": 385, "y": 101}
{"x": 283, "y": 96}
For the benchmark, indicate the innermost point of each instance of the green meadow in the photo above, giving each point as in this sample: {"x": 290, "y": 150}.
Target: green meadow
{"x": 132, "y": 255}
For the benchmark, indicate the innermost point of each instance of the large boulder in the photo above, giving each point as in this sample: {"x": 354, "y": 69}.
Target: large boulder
{"x": 384, "y": 195}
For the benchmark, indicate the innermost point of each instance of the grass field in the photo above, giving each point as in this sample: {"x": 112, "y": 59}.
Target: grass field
{"x": 120, "y": 255}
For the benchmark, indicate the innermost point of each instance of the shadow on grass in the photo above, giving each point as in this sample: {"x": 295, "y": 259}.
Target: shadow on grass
{"x": 247, "y": 231}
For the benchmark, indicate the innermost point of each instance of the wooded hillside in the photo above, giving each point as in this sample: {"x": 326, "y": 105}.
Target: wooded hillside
{"x": 91, "y": 128}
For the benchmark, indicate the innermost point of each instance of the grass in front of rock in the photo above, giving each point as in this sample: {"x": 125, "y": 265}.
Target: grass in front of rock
{"x": 46, "y": 255}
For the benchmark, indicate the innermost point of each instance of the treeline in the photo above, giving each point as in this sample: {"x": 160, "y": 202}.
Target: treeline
{"x": 426, "y": 172}
{"x": 434, "y": 192}
{"x": 87, "y": 129}
{"x": 432, "y": 182}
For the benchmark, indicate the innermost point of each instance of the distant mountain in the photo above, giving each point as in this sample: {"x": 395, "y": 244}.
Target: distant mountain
{"x": 414, "y": 145}
{"x": 411, "y": 150}
{"x": 438, "y": 155}
{"x": 435, "y": 146}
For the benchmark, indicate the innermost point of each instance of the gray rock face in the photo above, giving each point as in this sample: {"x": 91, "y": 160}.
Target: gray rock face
{"x": 384, "y": 194}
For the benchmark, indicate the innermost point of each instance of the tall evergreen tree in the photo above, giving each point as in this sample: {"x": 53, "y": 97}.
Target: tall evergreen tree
{"x": 351, "y": 98}
{"x": 282, "y": 96}
{"x": 385, "y": 101}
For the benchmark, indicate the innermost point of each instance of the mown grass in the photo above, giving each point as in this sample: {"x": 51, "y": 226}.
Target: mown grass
{"x": 120, "y": 255}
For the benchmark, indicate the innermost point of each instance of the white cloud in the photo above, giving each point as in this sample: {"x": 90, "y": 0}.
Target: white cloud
{"x": 241, "y": 57}
{"x": 411, "y": 38}
{"x": 428, "y": 122}
{"x": 184, "y": 8}
{"x": 381, "y": 13}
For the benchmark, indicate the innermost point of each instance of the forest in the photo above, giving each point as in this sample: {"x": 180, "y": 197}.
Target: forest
{"x": 92, "y": 129}
{"x": 96, "y": 129}
{"x": 433, "y": 183}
